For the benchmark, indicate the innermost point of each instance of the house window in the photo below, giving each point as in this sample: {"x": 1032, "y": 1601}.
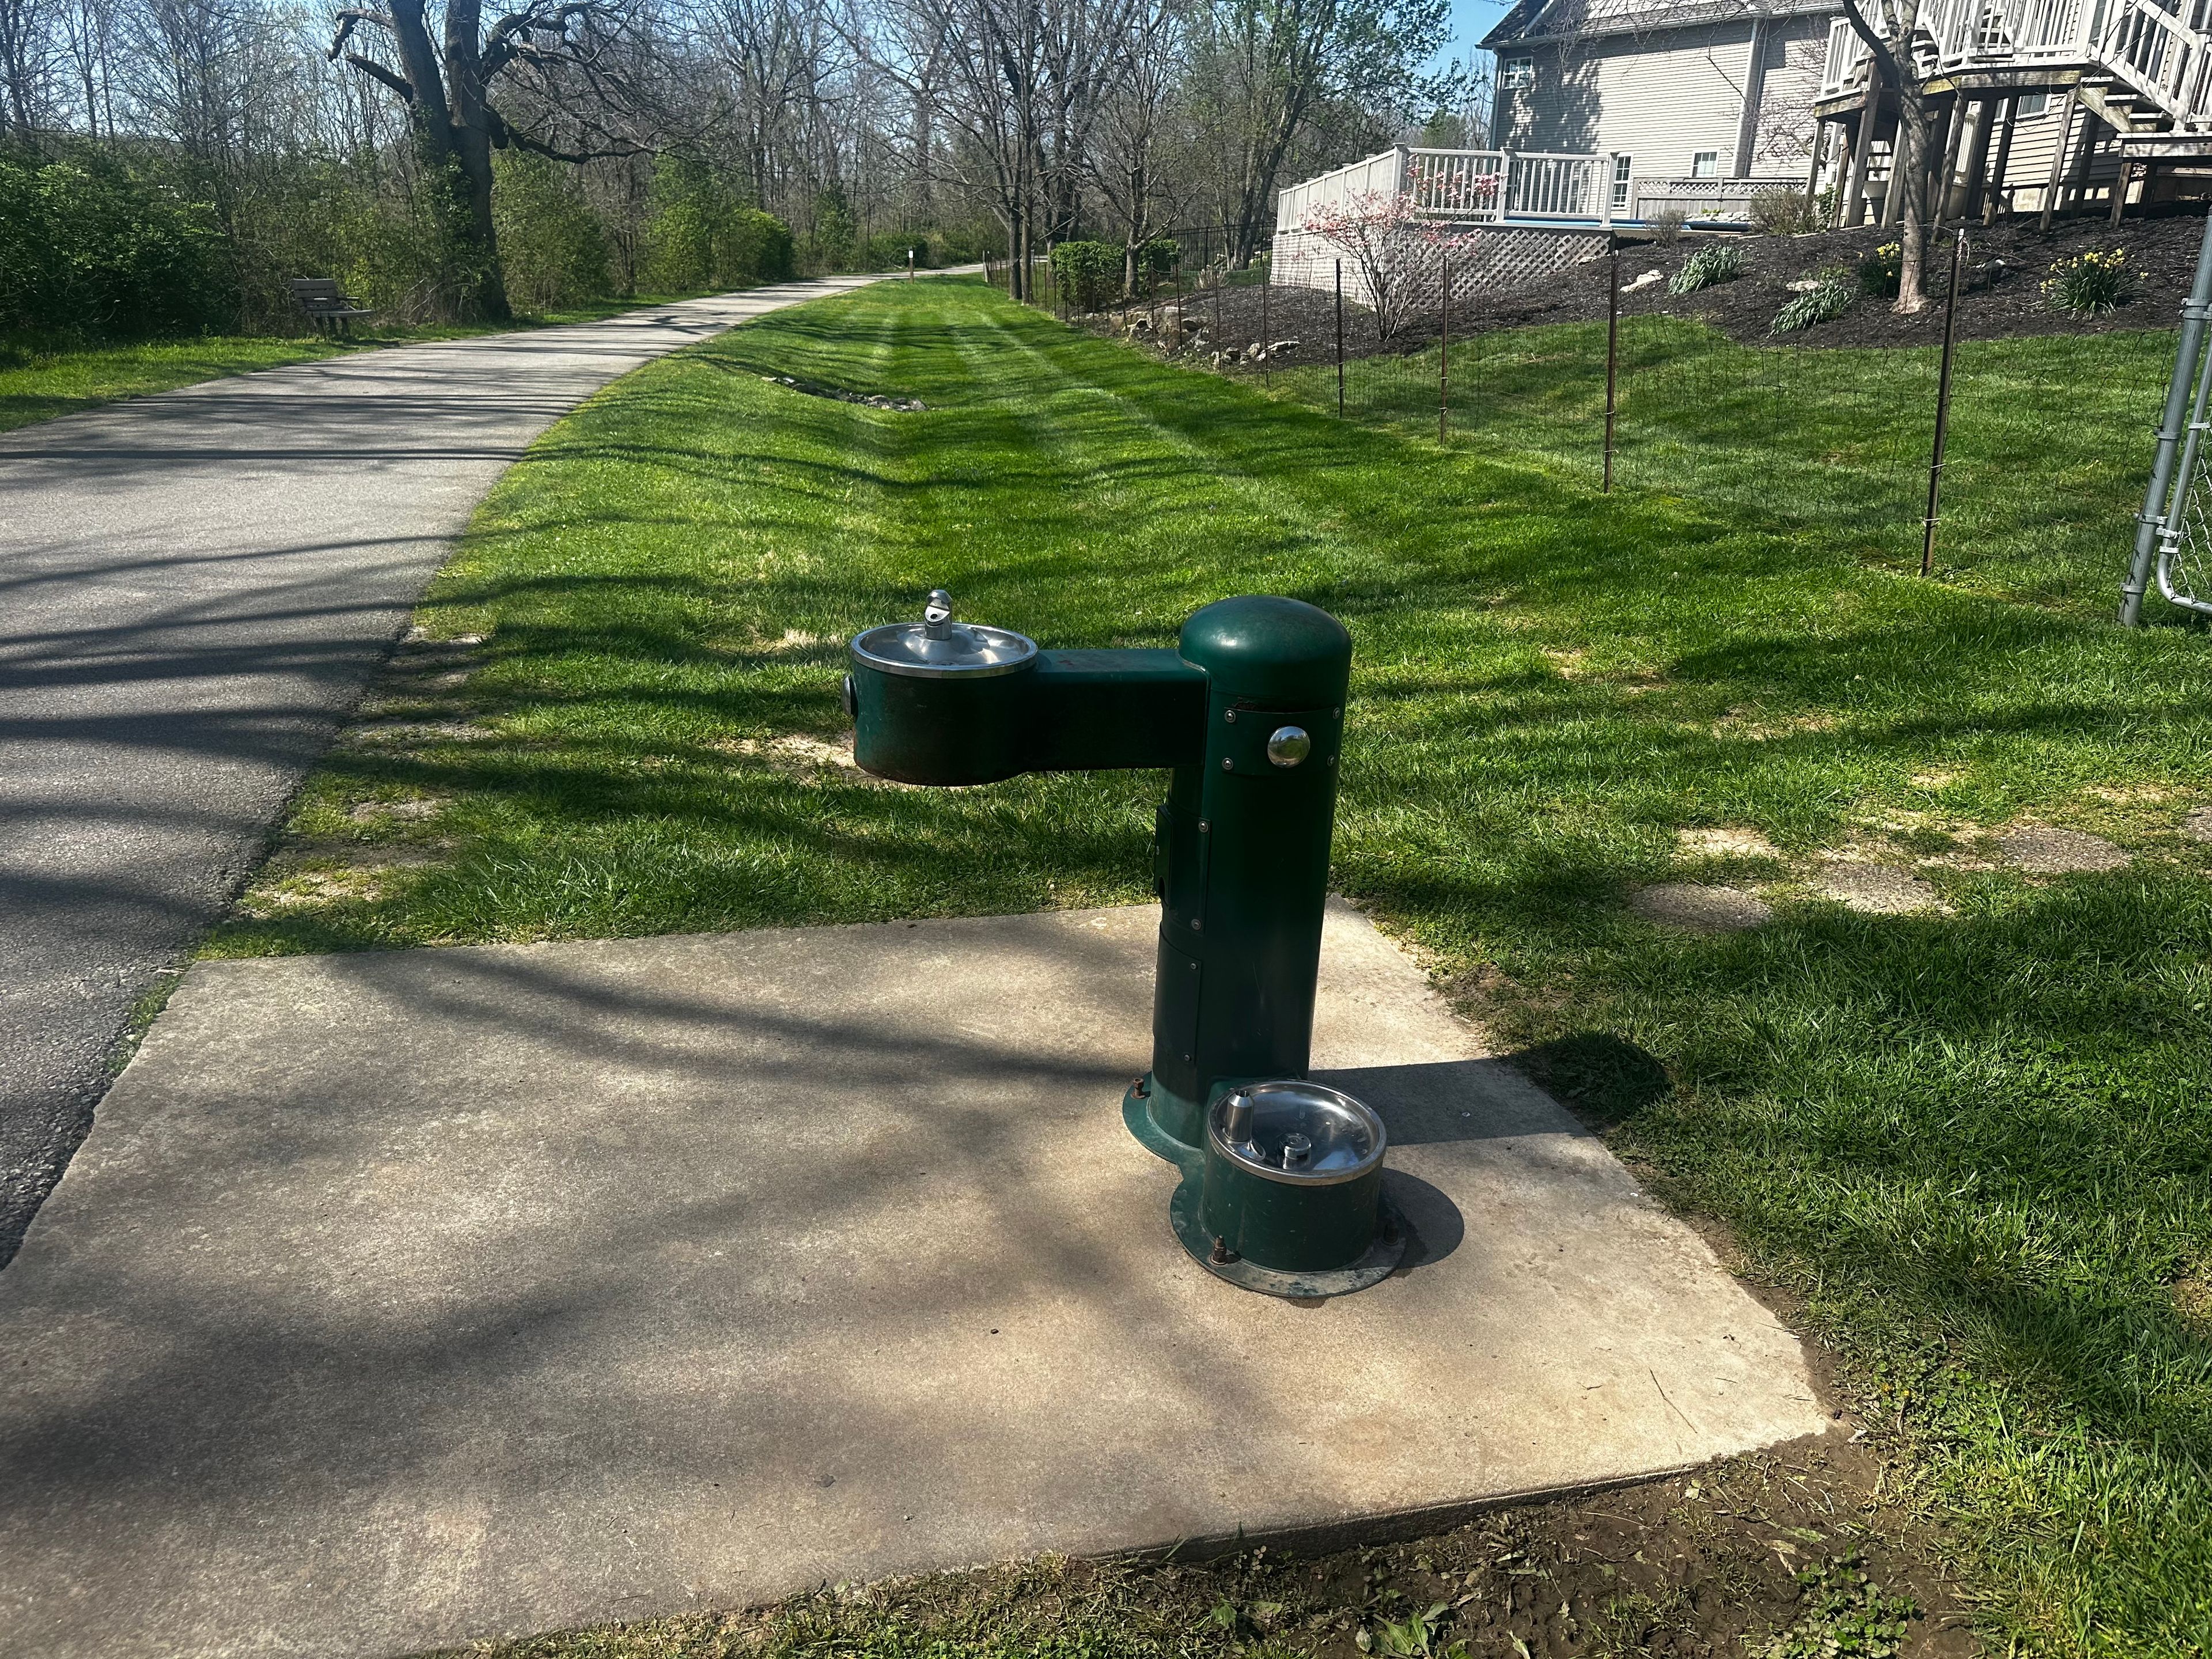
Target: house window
{"x": 1518, "y": 72}
{"x": 1705, "y": 164}
{"x": 1622, "y": 165}
{"x": 2033, "y": 104}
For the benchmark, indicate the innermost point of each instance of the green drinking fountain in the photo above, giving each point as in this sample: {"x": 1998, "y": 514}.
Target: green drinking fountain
{"x": 1283, "y": 1177}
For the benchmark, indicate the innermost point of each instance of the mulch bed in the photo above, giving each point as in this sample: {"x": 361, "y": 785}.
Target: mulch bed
{"x": 2001, "y": 297}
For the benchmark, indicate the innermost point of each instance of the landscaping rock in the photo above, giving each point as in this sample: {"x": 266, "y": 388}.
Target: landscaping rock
{"x": 1877, "y": 889}
{"x": 872, "y": 399}
{"x": 2042, "y": 851}
{"x": 1700, "y": 909}
{"x": 2198, "y": 823}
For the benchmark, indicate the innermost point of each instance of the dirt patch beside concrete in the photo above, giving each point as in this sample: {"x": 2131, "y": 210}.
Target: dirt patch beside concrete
{"x": 1796, "y": 1551}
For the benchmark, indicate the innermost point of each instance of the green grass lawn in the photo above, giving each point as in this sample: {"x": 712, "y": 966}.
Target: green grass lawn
{"x": 1974, "y": 1142}
{"x": 40, "y": 380}
{"x": 1834, "y": 443}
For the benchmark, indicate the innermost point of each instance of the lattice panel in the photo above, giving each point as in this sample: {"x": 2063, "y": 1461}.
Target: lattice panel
{"x": 1490, "y": 258}
{"x": 1509, "y": 256}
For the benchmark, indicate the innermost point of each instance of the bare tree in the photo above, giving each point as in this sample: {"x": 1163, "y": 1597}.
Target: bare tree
{"x": 982, "y": 65}
{"x": 770, "y": 51}
{"x": 25, "y": 62}
{"x": 88, "y": 39}
{"x": 1123, "y": 164}
{"x": 549, "y": 78}
{"x": 1273, "y": 66}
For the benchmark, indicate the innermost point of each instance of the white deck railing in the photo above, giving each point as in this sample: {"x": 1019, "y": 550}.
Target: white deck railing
{"x": 1458, "y": 184}
{"x": 1555, "y": 186}
{"x": 1481, "y": 186}
{"x": 2164, "y": 57}
{"x": 1378, "y": 175}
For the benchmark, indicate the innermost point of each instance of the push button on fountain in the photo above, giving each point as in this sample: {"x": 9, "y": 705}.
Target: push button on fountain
{"x": 938, "y": 646}
{"x": 1289, "y": 745}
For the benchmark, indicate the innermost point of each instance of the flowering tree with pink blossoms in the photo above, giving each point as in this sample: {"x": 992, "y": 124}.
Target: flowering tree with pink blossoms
{"x": 1398, "y": 255}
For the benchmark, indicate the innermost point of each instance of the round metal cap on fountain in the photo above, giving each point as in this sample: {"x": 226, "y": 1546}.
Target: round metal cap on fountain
{"x": 1247, "y": 716}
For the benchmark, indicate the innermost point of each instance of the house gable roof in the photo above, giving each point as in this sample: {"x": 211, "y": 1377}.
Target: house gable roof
{"x": 1531, "y": 21}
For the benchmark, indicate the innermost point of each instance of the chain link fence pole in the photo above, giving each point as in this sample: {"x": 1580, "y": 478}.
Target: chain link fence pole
{"x": 2152, "y": 519}
{"x": 1267, "y": 334}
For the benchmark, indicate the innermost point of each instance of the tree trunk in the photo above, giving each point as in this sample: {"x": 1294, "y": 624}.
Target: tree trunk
{"x": 1909, "y": 168}
{"x": 1913, "y": 160}
{"x": 452, "y": 140}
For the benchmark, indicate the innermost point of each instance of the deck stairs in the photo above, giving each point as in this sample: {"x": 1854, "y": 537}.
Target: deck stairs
{"x": 2144, "y": 69}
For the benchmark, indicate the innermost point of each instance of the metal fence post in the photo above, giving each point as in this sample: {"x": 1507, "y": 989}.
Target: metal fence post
{"x": 1611, "y": 352}
{"x": 1340, "y": 336}
{"x": 1267, "y": 334}
{"x": 1220, "y": 281}
{"x": 1443, "y": 353}
{"x": 1942, "y": 411}
{"x": 2152, "y": 519}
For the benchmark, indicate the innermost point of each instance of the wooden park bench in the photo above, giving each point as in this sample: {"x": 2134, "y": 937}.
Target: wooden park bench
{"x": 326, "y": 304}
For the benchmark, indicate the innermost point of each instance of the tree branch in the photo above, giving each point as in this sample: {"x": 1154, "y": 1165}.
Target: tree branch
{"x": 1877, "y": 48}
{"x": 376, "y": 71}
{"x": 349, "y": 20}
{"x": 504, "y": 137}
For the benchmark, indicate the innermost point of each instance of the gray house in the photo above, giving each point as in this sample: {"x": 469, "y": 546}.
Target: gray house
{"x": 2045, "y": 105}
{"x": 1700, "y": 105}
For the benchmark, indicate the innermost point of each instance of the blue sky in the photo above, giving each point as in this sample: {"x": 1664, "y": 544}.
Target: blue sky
{"x": 1471, "y": 20}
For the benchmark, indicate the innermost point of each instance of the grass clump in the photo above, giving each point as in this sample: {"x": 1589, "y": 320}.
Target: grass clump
{"x": 2091, "y": 284}
{"x": 1847, "y": 1616}
{"x": 1715, "y": 262}
{"x": 1834, "y": 291}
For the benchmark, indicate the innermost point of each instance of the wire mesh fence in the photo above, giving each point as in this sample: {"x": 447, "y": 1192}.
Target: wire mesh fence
{"x": 2042, "y": 446}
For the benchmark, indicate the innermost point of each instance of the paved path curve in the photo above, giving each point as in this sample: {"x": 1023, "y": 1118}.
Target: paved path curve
{"x": 198, "y": 588}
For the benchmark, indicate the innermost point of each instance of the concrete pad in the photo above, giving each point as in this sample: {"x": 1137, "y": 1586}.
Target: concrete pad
{"x": 401, "y": 1299}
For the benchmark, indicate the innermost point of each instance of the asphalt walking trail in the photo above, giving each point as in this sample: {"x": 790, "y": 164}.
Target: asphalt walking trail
{"x": 197, "y": 588}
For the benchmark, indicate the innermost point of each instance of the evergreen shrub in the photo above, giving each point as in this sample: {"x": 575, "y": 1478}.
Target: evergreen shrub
{"x": 1090, "y": 273}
